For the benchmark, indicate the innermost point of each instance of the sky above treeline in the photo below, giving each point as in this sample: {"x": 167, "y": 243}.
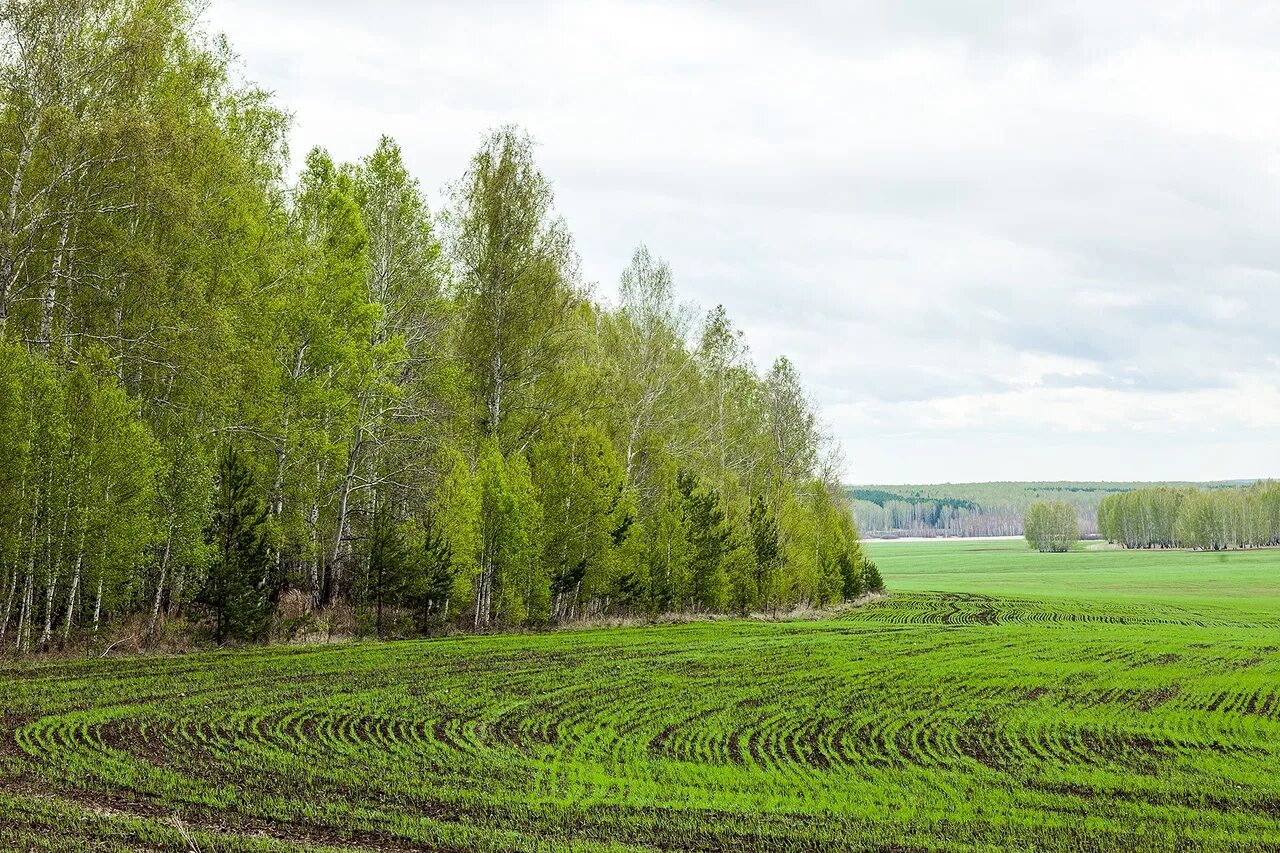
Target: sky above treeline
{"x": 1001, "y": 240}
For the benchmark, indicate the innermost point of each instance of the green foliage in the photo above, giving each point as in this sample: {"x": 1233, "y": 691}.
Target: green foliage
{"x": 854, "y": 576}
{"x": 768, "y": 555}
{"x": 708, "y": 541}
{"x": 442, "y": 425}
{"x": 434, "y": 574}
{"x": 458, "y": 522}
{"x": 508, "y": 586}
{"x": 871, "y": 576}
{"x": 77, "y": 496}
{"x": 1205, "y": 519}
{"x": 1051, "y": 526}
{"x": 391, "y": 567}
{"x": 579, "y": 485}
{"x": 742, "y": 575}
{"x": 982, "y": 509}
{"x": 515, "y": 288}
{"x": 881, "y": 498}
{"x": 668, "y": 551}
{"x": 236, "y": 587}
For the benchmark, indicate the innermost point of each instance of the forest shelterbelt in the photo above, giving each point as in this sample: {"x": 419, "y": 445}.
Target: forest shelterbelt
{"x": 236, "y": 405}
{"x": 1000, "y": 699}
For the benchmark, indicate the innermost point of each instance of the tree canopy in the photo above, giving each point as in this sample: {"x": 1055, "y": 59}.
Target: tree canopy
{"x": 219, "y": 389}
{"x": 1207, "y": 519}
{"x": 1051, "y": 527}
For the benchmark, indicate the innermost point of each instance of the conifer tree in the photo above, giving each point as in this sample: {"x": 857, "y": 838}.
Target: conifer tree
{"x": 854, "y": 584}
{"x": 235, "y": 589}
{"x": 389, "y": 562}
{"x": 740, "y": 570}
{"x": 768, "y": 553}
{"x": 708, "y": 536}
{"x": 668, "y": 552}
{"x": 580, "y": 486}
{"x": 434, "y": 572}
{"x": 871, "y": 574}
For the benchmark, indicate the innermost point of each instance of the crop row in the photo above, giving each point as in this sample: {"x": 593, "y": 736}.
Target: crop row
{"x": 874, "y": 730}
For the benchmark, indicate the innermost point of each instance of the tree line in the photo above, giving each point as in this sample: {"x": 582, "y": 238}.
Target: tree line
{"x": 1206, "y": 519}
{"x": 885, "y": 514}
{"x": 220, "y": 392}
{"x": 985, "y": 509}
{"x": 970, "y": 509}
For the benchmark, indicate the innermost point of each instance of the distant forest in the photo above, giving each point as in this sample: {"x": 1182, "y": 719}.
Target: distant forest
{"x": 983, "y": 509}
{"x": 1205, "y": 519}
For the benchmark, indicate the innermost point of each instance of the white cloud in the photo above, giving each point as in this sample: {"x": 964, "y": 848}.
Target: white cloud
{"x": 1000, "y": 240}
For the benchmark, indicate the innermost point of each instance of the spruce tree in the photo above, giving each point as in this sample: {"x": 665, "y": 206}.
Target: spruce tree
{"x": 235, "y": 590}
{"x": 434, "y": 574}
{"x": 871, "y": 576}
{"x": 707, "y": 535}
{"x": 764, "y": 537}
{"x": 854, "y": 581}
{"x": 740, "y": 570}
{"x": 388, "y": 561}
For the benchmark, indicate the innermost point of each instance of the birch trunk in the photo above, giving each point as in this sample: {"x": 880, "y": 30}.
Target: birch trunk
{"x": 46, "y": 632}
{"x": 282, "y": 461}
{"x": 73, "y": 592}
{"x": 155, "y": 602}
{"x": 49, "y": 299}
{"x": 484, "y": 591}
{"x": 9, "y": 263}
{"x": 23, "y": 642}
{"x": 344, "y": 499}
{"x": 317, "y": 588}
{"x": 97, "y": 607}
{"x": 51, "y": 581}
{"x": 8, "y": 605}
{"x": 175, "y": 600}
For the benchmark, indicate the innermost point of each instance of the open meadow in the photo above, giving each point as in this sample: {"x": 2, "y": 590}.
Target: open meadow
{"x": 997, "y": 699}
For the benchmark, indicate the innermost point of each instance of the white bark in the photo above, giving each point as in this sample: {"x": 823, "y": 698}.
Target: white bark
{"x": 51, "y": 582}
{"x": 8, "y": 605}
{"x": 49, "y": 300}
{"x": 97, "y": 607}
{"x": 23, "y": 643}
{"x": 155, "y": 602}
{"x": 9, "y": 262}
{"x": 73, "y": 592}
{"x": 344, "y": 498}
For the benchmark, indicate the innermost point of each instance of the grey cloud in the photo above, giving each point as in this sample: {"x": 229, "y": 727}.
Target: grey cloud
{"x": 1135, "y": 380}
{"x": 916, "y": 201}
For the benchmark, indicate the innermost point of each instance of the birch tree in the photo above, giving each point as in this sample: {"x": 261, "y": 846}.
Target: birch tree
{"x": 324, "y": 330}
{"x": 650, "y": 366}
{"x": 516, "y": 289}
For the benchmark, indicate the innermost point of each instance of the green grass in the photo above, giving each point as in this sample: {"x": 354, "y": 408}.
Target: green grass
{"x": 999, "y": 699}
{"x": 1235, "y": 582}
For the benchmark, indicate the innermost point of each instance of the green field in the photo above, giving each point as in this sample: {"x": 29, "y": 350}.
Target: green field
{"x": 998, "y": 699}
{"x": 1095, "y": 577}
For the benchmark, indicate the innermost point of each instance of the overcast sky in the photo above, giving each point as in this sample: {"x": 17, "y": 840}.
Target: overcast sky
{"x": 1001, "y": 240}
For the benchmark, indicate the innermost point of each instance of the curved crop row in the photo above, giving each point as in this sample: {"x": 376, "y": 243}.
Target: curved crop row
{"x": 876, "y": 729}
